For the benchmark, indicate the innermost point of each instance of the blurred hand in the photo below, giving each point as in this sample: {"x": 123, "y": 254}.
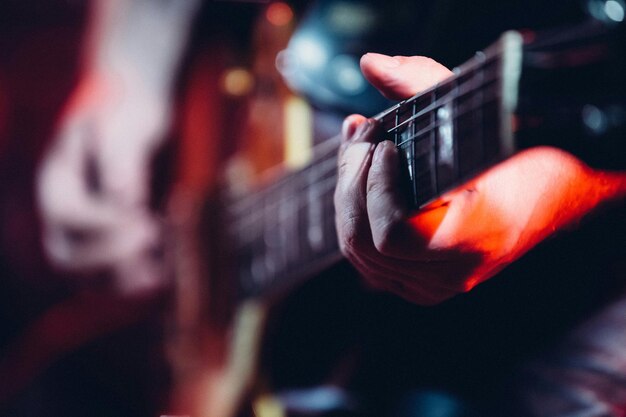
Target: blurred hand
{"x": 470, "y": 233}
{"x": 93, "y": 181}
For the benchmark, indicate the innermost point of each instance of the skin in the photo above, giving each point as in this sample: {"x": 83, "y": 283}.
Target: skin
{"x": 114, "y": 121}
{"x": 472, "y": 232}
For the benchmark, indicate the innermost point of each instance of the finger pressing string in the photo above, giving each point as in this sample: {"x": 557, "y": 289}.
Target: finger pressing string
{"x": 350, "y": 125}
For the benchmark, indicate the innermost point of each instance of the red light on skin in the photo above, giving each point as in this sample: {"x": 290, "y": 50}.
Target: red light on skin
{"x": 279, "y": 14}
{"x": 428, "y": 220}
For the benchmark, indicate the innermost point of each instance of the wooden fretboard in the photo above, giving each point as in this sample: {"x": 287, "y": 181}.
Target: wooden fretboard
{"x": 286, "y": 231}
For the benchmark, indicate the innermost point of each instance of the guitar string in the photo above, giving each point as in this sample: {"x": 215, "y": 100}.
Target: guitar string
{"x": 303, "y": 185}
{"x": 440, "y": 102}
{"x": 250, "y": 217}
{"x": 322, "y": 153}
{"x": 328, "y": 163}
{"x": 253, "y": 227}
{"x": 480, "y": 59}
{"x": 252, "y": 233}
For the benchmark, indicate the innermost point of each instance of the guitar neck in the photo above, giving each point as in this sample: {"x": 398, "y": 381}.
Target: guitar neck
{"x": 286, "y": 231}
{"x": 461, "y": 126}
{"x": 445, "y": 135}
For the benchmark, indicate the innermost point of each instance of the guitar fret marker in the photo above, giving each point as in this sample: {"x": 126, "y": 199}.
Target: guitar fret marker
{"x": 445, "y": 147}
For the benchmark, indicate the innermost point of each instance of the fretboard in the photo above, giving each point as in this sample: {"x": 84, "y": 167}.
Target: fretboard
{"x": 285, "y": 231}
{"x": 456, "y": 129}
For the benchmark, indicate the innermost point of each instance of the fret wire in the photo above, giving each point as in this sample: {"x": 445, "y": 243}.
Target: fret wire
{"x": 328, "y": 164}
{"x": 478, "y": 115}
{"x": 455, "y": 143}
{"x": 460, "y": 90}
{"x": 490, "y": 53}
{"x": 396, "y": 137}
{"x": 433, "y": 144}
{"x": 412, "y": 163}
{"x": 329, "y": 182}
{"x": 329, "y": 148}
{"x": 249, "y": 202}
{"x": 274, "y": 205}
{"x": 326, "y": 151}
{"x": 445, "y": 99}
{"x": 437, "y": 124}
{"x": 481, "y": 116}
{"x": 252, "y": 217}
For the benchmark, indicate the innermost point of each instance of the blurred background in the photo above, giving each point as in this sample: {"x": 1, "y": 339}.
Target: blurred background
{"x": 233, "y": 88}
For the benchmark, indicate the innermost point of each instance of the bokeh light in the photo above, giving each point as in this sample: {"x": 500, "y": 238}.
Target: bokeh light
{"x": 237, "y": 82}
{"x": 279, "y": 13}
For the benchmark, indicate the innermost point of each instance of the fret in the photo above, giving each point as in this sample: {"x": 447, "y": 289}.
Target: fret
{"x": 271, "y": 236}
{"x": 314, "y": 228}
{"x": 331, "y": 244}
{"x": 297, "y": 219}
{"x": 388, "y": 122}
{"x": 433, "y": 148}
{"x": 491, "y": 130}
{"x": 255, "y": 263}
{"x": 247, "y": 236}
{"x": 424, "y": 156}
{"x": 466, "y": 83}
{"x": 468, "y": 147}
{"x": 479, "y": 120}
{"x": 287, "y": 248}
{"x": 422, "y": 102}
{"x": 444, "y": 144}
{"x": 442, "y": 135}
{"x": 413, "y": 138}
{"x": 423, "y": 184}
{"x": 458, "y": 156}
{"x": 403, "y": 113}
{"x": 453, "y": 116}
{"x": 407, "y": 165}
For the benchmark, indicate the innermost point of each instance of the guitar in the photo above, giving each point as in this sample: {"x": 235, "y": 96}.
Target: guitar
{"x": 515, "y": 94}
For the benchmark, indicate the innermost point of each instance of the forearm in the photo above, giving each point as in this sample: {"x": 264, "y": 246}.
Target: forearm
{"x": 130, "y": 37}
{"x": 612, "y": 186}
{"x": 583, "y": 192}
{"x": 552, "y": 191}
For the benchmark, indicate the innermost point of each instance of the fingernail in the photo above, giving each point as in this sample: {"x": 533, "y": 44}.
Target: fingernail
{"x": 347, "y": 129}
{"x": 363, "y": 129}
{"x": 350, "y": 126}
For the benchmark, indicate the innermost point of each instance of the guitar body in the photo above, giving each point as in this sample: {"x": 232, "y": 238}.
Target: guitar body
{"x": 255, "y": 335}
{"x": 218, "y": 344}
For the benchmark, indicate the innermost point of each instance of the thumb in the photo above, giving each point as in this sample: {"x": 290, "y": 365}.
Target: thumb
{"x": 400, "y": 77}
